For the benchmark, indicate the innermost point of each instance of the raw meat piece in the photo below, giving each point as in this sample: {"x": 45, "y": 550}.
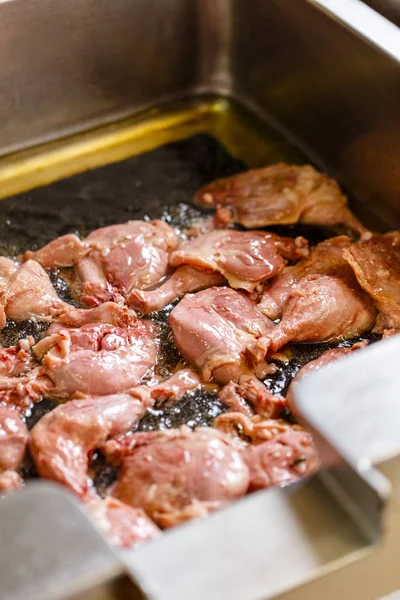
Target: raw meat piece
{"x": 95, "y": 287}
{"x": 64, "y": 251}
{"x": 216, "y": 326}
{"x": 7, "y": 268}
{"x": 123, "y": 525}
{"x": 181, "y": 382}
{"x": 232, "y": 396}
{"x": 134, "y": 255}
{"x": 62, "y": 442}
{"x": 183, "y": 280}
{"x": 280, "y": 194}
{"x": 286, "y": 458}
{"x": 327, "y": 358}
{"x": 10, "y": 481}
{"x": 325, "y": 258}
{"x": 245, "y": 259}
{"x": 279, "y": 453}
{"x": 322, "y": 308}
{"x": 109, "y": 313}
{"x": 17, "y": 359}
{"x": 376, "y": 264}
{"x": 179, "y": 474}
{"x": 13, "y": 439}
{"x": 170, "y": 390}
{"x": 96, "y": 359}
{"x": 248, "y": 395}
{"x": 387, "y": 333}
{"x": 113, "y": 260}
{"x": 21, "y": 392}
{"x": 217, "y": 330}
{"x": 30, "y": 294}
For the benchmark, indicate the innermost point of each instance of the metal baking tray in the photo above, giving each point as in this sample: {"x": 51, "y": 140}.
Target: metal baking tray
{"x": 90, "y": 84}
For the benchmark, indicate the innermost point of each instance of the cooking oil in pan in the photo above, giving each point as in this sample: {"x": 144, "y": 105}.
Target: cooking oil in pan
{"x": 148, "y": 167}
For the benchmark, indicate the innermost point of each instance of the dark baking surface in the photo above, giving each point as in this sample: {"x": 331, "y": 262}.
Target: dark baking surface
{"x": 156, "y": 184}
{"x": 150, "y": 185}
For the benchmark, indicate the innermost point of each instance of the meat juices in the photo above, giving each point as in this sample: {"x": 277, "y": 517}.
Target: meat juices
{"x": 96, "y": 359}
{"x": 325, "y": 258}
{"x": 13, "y": 441}
{"x": 321, "y": 308}
{"x": 30, "y": 294}
{"x": 123, "y": 525}
{"x": 279, "y": 453}
{"x": 280, "y": 194}
{"x": 177, "y": 475}
{"x": 112, "y": 261}
{"x": 244, "y": 259}
{"x": 62, "y": 441}
{"x": 376, "y": 264}
{"x": 217, "y": 330}
{"x": 327, "y": 358}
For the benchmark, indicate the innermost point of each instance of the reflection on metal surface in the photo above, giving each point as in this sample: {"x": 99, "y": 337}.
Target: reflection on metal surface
{"x": 43, "y": 562}
{"x": 328, "y": 89}
{"x": 353, "y": 406}
{"x": 101, "y": 61}
{"x": 244, "y": 136}
{"x": 257, "y": 548}
{"x": 362, "y": 19}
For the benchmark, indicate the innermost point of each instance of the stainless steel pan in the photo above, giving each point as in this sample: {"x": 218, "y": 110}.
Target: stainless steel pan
{"x": 321, "y": 76}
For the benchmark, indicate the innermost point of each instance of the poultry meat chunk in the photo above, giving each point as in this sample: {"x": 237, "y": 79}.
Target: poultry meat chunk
{"x": 279, "y": 453}
{"x": 183, "y": 280}
{"x": 17, "y": 360}
{"x": 123, "y": 525}
{"x": 376, "y": 264}
{"x": 327, "y": 358}
{"x": 7, "y": 269}
{"x": 30, "y": 294}
{"x": 96, "y": 359}
{"x": 63, "y": 440}
{"x": 13, "y": 441}
{"x": 325, "y": 258}
{"x": 321, "y": 308}
{"x": 20, "y": 393}
{"x": 244, "y": 259}
{"x": 217, "y": 330}
{"x": 177, "y": 475}
{"x": 114, "y": 260}
{"x": 280, "y": 194}
{"x": 10, "y": 481}
{"x": 170, "y": 390}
